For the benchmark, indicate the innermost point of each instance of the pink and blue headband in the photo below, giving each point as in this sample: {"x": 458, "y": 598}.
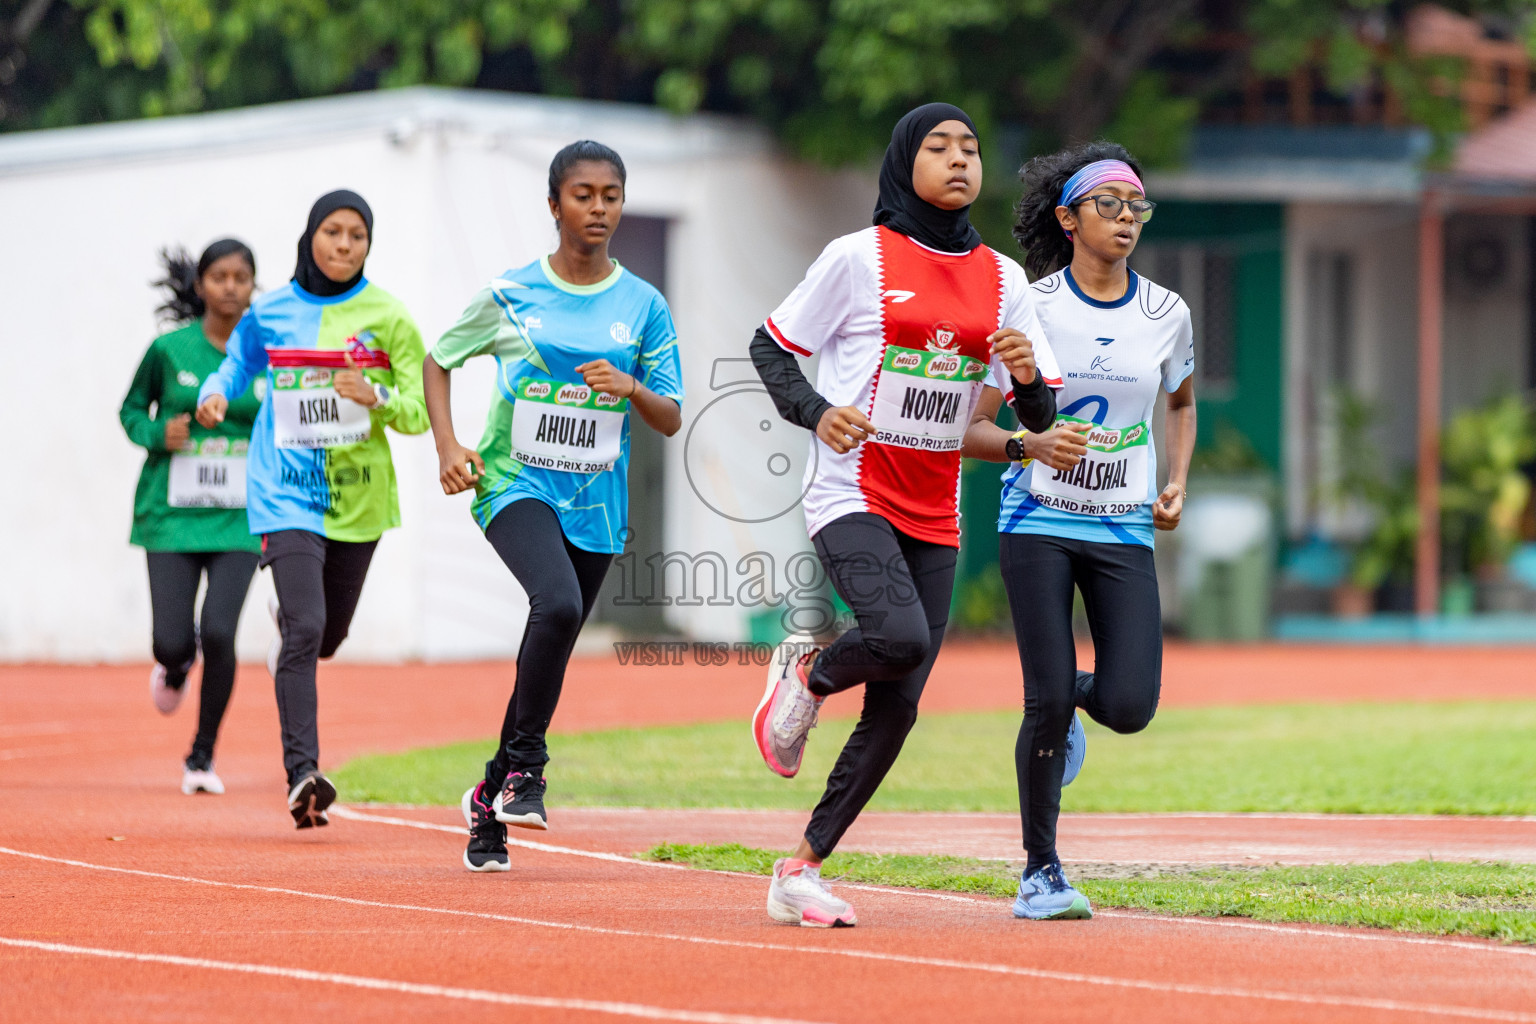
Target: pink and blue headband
{"x": 1091, "y": 176}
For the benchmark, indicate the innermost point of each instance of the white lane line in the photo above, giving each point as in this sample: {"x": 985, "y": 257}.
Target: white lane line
{"x": 617, "y": 1009}
{"x": 570, "y": 851}
{"x": 1352, "y": 935}
{"x": 1173, "y": 988}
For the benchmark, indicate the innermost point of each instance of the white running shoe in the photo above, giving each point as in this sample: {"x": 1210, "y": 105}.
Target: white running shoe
{"x": 802, "y": 898}
{"x": 201, "y": 781}
{"x": 788, "y": 711}
{"x": 166, "y": 698}
{"x": 275, "y": 649}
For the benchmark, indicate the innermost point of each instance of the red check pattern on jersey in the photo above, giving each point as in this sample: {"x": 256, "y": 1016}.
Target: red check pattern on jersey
{"x": 929, "y": 302}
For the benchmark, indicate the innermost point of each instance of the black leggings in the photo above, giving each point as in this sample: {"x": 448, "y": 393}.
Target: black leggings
{"x": 1119, "y": 586}
{"x": 318, "y": 583}
{"x": 562, "y": 582}
{"x": 899, "y": 589}
{"x": 173, "y": 580}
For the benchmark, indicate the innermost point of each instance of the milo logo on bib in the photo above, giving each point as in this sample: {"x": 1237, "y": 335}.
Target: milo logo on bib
{"x": 569, "y": 428}
{"x": 923, "y": 399}
{"x": 1110, "y": 479}
{"x": 208, "y": 473}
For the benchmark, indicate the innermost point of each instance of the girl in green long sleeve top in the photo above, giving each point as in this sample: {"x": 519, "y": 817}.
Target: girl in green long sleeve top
{"x": 189, "y": 510}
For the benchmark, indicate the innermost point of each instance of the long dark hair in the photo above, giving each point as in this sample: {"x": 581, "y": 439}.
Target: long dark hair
{"x": 575, "y": 153}
{"x": 183, "y": 304}
{"x": 1046, "y": 247}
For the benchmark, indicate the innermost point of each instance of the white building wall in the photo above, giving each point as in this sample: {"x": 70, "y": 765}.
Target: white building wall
{"x": 457, "y": 184}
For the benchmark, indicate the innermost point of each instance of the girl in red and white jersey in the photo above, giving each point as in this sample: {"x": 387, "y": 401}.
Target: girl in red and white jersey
{"x": 907, "y": 316}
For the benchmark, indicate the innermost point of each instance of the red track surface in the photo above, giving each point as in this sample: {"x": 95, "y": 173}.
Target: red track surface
{"x": 120, "y": 899}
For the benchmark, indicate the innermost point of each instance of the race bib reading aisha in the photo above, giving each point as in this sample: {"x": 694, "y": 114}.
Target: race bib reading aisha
{"x": 308, "y": 413}
{"x": 567, "y": 427}
{"x": 1111, "y": 479}
{"x": 923, "y": 399}
{"x": 209, "y": 473}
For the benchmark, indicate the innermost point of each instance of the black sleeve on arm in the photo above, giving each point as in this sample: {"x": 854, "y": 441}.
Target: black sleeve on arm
{"x": 794, "y": 397}
{"x": 1035, "y": 405}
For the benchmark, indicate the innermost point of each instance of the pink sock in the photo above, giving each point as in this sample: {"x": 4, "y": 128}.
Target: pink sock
{"x": 794, "y": 865}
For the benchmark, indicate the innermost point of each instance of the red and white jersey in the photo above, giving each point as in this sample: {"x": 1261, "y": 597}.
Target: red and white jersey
{"x": 902, "y": 333}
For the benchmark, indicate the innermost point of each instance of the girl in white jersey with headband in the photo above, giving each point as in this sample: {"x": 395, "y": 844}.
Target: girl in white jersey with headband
{"x": 1081, "y": 500}
{"x": 907, "y": 316}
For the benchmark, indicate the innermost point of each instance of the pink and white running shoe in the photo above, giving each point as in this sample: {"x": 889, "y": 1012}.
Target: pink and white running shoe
{"x": 787, "y": 712}
{"x": 799, "y": 896}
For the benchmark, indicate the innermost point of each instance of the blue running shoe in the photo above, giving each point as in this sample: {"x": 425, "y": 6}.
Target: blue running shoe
{"x": 1077, "y": 749}
{"x": 1046, "y": 895}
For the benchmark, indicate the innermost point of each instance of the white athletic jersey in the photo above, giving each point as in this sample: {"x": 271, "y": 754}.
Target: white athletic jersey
{"x": 1113, "y": 356}
{"x": 902, "y": 332}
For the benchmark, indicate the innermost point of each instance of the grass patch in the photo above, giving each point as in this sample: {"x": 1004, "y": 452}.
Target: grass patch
{"x": 1451, "y": 758}
{"x": 1491, "y": 901}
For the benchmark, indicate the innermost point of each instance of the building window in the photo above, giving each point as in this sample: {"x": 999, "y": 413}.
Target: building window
{"x": 1205, "y": 276}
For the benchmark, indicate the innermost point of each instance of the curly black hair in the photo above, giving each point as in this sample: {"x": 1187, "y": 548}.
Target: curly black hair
{"x": 1046, "y": 247}
{"x": 183, "y": 304}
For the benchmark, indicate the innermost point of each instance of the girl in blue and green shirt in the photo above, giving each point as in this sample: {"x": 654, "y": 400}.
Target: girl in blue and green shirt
{"x": 579, "y": 344}
{"x": 341, "y": 359}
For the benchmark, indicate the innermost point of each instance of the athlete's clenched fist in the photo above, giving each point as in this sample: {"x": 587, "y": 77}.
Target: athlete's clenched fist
{"x": 1016, "y": 351}
{"x": 842, "y": 428}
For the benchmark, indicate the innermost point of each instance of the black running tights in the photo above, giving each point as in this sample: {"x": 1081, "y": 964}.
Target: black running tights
{"x": 562, "y": 582}
{"x": 174, "y": 577}
{"x": 899, "y": 589}
{"x": 1119, "y": 586}
{"x": 319, "y": 582}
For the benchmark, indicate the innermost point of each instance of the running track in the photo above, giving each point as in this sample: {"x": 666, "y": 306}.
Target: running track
{"x": 120, "y": 899}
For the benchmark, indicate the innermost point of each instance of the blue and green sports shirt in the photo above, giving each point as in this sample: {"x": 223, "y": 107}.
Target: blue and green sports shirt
{"x": 573, "y": 453}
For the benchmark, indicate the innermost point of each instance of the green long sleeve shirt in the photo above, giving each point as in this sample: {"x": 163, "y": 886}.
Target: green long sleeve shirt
{"x": 165, "y": 386}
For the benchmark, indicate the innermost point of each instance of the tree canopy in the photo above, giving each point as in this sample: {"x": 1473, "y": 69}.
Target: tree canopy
{"x": 830, "y": 76}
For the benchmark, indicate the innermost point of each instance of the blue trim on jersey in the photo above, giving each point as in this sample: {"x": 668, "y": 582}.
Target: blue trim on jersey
{"x": 1130, "y": 291}
{"x": 328, "y": 300}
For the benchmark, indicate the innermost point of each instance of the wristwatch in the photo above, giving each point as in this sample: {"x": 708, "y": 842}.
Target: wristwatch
{"x": 1015, "y": 449}
{"x": 381, "y": 393}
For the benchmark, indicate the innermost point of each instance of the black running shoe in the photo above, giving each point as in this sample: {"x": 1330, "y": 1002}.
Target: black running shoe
{"x": 521, "y": 801}
{"x": 308, "y": 800}
{"x": 487, "y": 849}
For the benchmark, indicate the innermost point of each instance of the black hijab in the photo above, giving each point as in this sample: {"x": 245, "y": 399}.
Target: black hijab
{"x": 307, "y": 274}
{"x": 899, "y": 208}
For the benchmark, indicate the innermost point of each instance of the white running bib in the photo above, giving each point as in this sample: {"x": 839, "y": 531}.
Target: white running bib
{"x": 308, "y": 413}
{"x": 1111, "y": 479}
{"x": 570, "y": 428}
{"x": 923, "y": 399}
{"x": 208, "y": 474}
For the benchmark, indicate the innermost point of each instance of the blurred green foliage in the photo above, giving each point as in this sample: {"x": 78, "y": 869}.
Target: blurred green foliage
{"x": 829, "y": 75}
{"x": 1484, "y": 490}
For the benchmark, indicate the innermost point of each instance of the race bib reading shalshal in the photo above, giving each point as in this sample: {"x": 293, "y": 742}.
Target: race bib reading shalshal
{"x": 923, "y": 399}
{"x": 571, "y": 428}
{"x": 1110, "y": 480}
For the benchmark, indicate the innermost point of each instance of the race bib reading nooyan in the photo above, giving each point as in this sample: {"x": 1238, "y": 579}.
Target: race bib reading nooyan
{"x": 923, "y": 399}
{"x": 571, "y": 428}
{"x": 1110, "y": 480}
{"x": 209, "y": 473}
{"x": 308, "y": 413}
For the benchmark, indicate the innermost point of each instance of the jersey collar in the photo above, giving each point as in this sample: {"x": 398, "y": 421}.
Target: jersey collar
{"x": 1130, "y": 290}
{"x": 582, "y": 289}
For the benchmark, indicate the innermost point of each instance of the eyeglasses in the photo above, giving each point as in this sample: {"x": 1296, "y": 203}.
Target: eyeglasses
{"x": 1109, "y": 207}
